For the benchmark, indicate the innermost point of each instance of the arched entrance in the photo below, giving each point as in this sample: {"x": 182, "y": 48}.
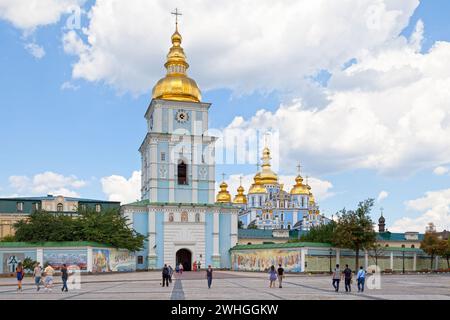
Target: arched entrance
{"x": 184, "y": 256}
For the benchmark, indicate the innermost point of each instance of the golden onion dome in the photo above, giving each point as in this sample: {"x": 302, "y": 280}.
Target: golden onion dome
{"x": 240, "y": 198}
{"x": 176, "y": 85}
{"x": 299, "y": 188}
{"x": 223, "y": 196}
{"x": 267, "y": 175}
{"x": 257, "y": 186}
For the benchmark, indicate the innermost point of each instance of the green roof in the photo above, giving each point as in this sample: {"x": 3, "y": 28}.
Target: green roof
{"x": 263, "y": 234}
{"x": 144, "y": 203}
{"x": 52, "y": 244}
{"x": 282, "y": 245}
{"x": 393, "y": 236}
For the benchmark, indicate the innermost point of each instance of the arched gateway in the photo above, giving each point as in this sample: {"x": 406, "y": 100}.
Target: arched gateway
{"x": 184, "y": 256}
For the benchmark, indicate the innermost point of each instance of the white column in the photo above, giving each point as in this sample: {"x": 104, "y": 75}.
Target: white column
{"x": 234, "y": 228}
{"x": 294, "y": 218}
{"x": 89, "y": 259}
{"x": 40, "y": 256}
{"x": 392, "y": 260}
{"x": 172, "y": 160}
{"x": 415, "y": 261}
{"x": 157, "y": 120}
{"x": 151, "y": 233}
{"x": 153, "y": 171}
{"x": 216, "y": 233}
{"x": 194, "y": 169}
{"x": 366, "y": 260}
{"x": 211, "y": 187}
{"x": 303, "y": 253}
{"x": 205, "y": 121}
{"x": 338, "y": 256}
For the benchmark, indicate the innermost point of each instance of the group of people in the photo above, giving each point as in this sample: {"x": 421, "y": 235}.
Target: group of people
{"x": 167, "y": 273}
{"x": 276, "y": 274}
{"x": 38, "y": 273}
{"x": 347, "y": 275}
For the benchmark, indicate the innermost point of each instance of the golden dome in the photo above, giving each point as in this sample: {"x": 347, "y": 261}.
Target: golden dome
{"x": 176, "y": 85}
{"x": 267, "y": 175}
{"x": 299, "y": 188}
{"x": 240, "y": 198}
{"x": 257, "y": 186}
{"x": 223, "y": 196}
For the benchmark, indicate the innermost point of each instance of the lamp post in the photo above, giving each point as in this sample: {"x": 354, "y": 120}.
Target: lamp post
{"x": 403, "y": 254}
{"x": 331, "y": 252}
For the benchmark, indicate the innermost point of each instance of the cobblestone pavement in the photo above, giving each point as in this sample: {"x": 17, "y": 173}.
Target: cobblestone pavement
{"x": 229, "y": 285}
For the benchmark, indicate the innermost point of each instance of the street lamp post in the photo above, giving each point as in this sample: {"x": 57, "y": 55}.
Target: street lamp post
{"x": 331, "y": 252}
{"x": 403, "y": 253}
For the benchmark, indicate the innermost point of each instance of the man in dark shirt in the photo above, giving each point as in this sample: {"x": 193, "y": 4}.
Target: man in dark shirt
{"x": 165, "y": 276}
{"x": 209, "y": 275}
{"x": 280, "y": 275}
{"x": 348, "y": 278}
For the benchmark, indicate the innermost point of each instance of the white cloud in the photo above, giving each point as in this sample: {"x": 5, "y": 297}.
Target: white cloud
{"x": 271, "y": 46}
{"x": 439, "y": 171}
{"x": 434, "y": 207}
{"x": 69, "y": 86}
{"x": 383, "y": 195}
{"x": 35, "y": 50}
{"x": 47, "y": 183}
{"x": 320, "y": 188}
{"x": 390, "y": 111}
{"x": 119, "y": 188}
{"x": 30, "y": 14}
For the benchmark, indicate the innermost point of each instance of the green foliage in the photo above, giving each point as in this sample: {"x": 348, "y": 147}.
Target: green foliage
{"x": 240, "y": 224}
{"x": 431, "y": 244}
{"x": 107, "y": 227}
{"x": 444, "y": 250}
{"x": 9, "y": 238}
{"x": 354, "y": 229}
{"x": 252, "y": 226}
{"x": 323, "y": 233}
{"x": 29, "y": 264}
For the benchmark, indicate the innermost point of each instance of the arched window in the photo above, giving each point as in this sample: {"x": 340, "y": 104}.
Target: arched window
{"x": 413, "y": 246}
{"x": 182, "y": 173}
{"x": 60, "y": 207}
{"x": 303, "y": 202}
{"x": 197, "y": 217}
{"x": 386, "y": 245}
{"x": 282, "y": 217}
{"x": 289, "y": 227}
{"x": 184, "y": 217}
{"x": 170, "y": 217}
{"x": 403, "y": 245}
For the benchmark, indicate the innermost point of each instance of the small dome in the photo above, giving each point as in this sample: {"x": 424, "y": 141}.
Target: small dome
{"x": 257, "y": 186}
{"x": 300, "y": 188}
{"x": 381, "y": 220}
{"x": 223, "y": 196}
{"x": 240, "y": 198}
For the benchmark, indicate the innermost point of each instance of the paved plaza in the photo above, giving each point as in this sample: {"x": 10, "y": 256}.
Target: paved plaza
{"x": 229, "y": 285}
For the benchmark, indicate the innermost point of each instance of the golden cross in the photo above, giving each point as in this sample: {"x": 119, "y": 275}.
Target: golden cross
{"x": 176, "y": 14}
{"x": 299, "y": 167}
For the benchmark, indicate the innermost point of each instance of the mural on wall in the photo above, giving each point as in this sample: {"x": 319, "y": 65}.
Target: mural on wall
{"x": 57, "y": 258}
{"x": 100, "y": 260}
{"x": 11, "y": 260}
{"x": 122, "y": 261}
{"x": 262, "y": 260}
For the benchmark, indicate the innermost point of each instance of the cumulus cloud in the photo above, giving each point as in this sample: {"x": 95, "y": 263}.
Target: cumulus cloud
{"x": 47, "y": 183}
{"x": 35, "y": 50}
{"x": 119, "y": 188}
{"x": 272, "y": 46}
{"x": 434, "y": 207}
{"x": 382, "y": 195}
{"x": 439, "y": 171}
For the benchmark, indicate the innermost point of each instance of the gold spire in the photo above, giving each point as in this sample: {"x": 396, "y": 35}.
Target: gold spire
{"x": 240, "y": 198}
{"x": 176, "y": 85}
{"x": 257, "y": 186}
{"x": 299, "y": 188}
{"x": 223, "y": 196}
{"x": 267, "y": 175}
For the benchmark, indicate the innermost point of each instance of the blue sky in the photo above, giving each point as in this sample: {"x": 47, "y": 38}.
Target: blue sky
{"x": 94, "y": 129}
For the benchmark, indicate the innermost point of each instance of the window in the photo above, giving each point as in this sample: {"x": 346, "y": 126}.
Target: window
{"x": 170, "y": 217}
{"x": 163, "y": 156}
{"x": 60, "y": 207}
{"x": 98, "y": 208}
{"x": 36, "y": 206}
{"x": 184, "y": 217}
{"x": 182, "y": 173}
{"x": 19, "y": 206}
{"x": 197, "y": 217}
{"x": 386, "y": 245}
{"x": 413, "y": 246}
{"x": 403, "y": 245}
{"x": 282, "y": 217}
{"x": 253, "y": 201}
{"x": 260, "y": 201}
{"x": 289, "y": 227}
{"x": 140, "y": 260}
{"x": 303, "y": 202}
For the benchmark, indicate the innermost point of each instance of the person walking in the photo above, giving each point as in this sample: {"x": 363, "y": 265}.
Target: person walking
{"x": 37, "y": 274}
{"x": 48, "y": 282}
{"x": 209, "y": 275}
{"x": 361, "y": 278}
{"x": 64, "y": 277}
{"x": 348, "y": 278}
{"x": 272, "y": 276}
{"x": 19, "y": 274}
{"x": 170, "y": 273}
{"x": 165, "y": 276}
{"x": 336, "y": 278}
{"x": 280, "y": 275}
{"x": 181, "y": 268}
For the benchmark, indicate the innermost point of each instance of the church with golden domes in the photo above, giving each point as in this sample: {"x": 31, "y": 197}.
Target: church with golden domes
{"x": 268, "y": 206}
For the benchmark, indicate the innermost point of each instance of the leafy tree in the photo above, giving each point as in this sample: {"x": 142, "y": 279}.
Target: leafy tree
{"x": 444, "y": 250}
{"x": 430, "y": 244}
{"x": 376, "y": 251}
{"x": 354, "y": 229}
{"x": 252, "y": 226}
{"x": 323, "y": 233}
{"x": 8, "y": 238}
{"x": 108, "y": 227}
{"x": 29, "y": 264}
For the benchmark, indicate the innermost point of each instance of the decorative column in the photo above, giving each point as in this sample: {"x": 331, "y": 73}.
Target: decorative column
{"x": 90, "y": 259}
{"x": 392, "y": 260}
{"x": 152, "y": 256}
{"x": 338, "y": 256}
{"x": 366, "y": 260}
{"x": 303, "y": 252}
{"x": 172, "y": 161}
{"x": 194, "y": 168}
{"x": 153, "y": 170}
{"x": 234, "y": 228}
{"x": 216, "y": 254}
{"x": 415, "y": 261}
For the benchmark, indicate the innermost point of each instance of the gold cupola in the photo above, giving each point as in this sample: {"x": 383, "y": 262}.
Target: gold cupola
{"x": 223, "y": 196}
{"x": 240, "y": 198}
{"x": 299, "y": 188}
{"x": 267, "y": 175}
{"x": 257, "y": 186}
{"x": 176, "y": 85}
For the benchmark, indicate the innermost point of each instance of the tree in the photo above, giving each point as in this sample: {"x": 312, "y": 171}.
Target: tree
{"x": 107, "y": 227}
{"x": 444, "y": 250}
{"x": 240, "y": 224}
{"x": 376, "y": 251}
{"x": 322, "y": 233}
{"x": 430, "y": 244}
{"x": 8, "y": 238}
{"x": 29, "y": 264}
{"x": 354, "y": 229}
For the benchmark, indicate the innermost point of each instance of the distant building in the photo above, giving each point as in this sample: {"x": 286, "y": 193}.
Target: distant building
{"x": 411, "y": 239}
{"x": 13, "y": 210}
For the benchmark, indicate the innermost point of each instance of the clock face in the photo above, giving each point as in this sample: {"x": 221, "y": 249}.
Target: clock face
{"x": 182, "y": 116}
